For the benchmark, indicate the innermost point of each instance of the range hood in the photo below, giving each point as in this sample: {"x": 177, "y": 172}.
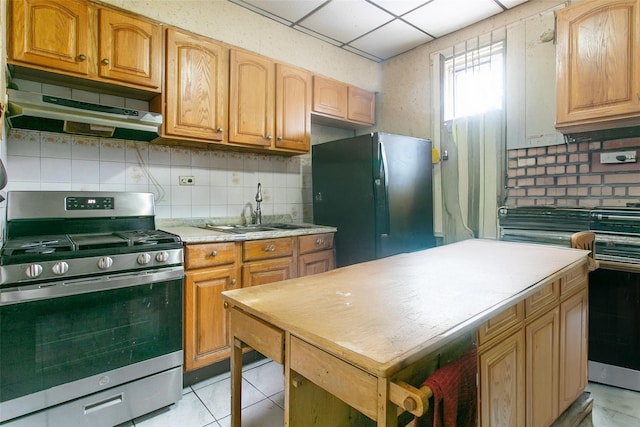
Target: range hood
{"x": 36, "y": 111}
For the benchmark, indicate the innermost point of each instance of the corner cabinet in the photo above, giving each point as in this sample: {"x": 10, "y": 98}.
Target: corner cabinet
{"x": 269, "y": 104}
{"x": 194, "y": 103}
{"x": 81, "y": 39}
{"x": 598, "y": 71}
{"x": 341, "y": 104}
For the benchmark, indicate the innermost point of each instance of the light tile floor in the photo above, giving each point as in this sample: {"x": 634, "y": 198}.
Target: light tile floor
{"x": 208, "y": 403}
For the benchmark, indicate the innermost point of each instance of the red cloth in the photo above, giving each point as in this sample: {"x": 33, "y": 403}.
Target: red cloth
{"x": 454, "y": 394}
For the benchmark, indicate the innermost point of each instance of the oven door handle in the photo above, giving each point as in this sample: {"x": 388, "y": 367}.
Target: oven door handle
{"x": 42, "y": 291}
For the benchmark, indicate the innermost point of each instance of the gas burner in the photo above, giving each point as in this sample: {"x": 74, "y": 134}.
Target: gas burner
{"x": 149, "y": 237}
{"x": 40, "y": 250}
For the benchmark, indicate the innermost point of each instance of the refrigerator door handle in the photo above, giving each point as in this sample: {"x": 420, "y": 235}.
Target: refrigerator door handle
{"x": 382, "y": 192}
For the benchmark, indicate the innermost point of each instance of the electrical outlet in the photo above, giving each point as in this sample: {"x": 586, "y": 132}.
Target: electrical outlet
{"x": 187, "y": 180}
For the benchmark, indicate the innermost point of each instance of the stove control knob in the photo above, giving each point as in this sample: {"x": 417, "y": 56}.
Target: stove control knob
{"x": 144, "y": 259}
{"x": 60, "y": 268}
{"x": 34, "y": 270}
{"x": 105, "y": 262}
{"x": 162, "y": 256}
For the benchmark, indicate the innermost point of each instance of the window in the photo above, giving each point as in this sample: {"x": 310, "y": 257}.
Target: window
{"x": 474, "y": 81}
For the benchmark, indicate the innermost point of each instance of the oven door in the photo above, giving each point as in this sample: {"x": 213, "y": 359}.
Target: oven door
{"x": 63, "y": 340}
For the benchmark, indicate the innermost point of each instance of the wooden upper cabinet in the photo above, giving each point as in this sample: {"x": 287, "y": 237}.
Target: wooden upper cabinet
{"x": 81, "y": 39}
{"x": 129, "y": 49}
{"x": 344, "y": 103}
{"x": 361, "y": 106}
{"x": 251, "y": 99}
{"x": 50, "y": 33}
{"x": 197, "y": 79}
{"x": 598, "y": 71}
{"x": 330, "y": 97}
{"x": 293, "y": 108}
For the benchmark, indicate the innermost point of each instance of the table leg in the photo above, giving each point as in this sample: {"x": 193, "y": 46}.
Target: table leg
{"x": 236, "y": 383}
{"x": 387, "y": 411}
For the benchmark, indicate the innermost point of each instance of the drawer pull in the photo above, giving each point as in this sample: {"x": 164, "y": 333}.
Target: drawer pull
{"x": 270, "y": 248}
{"x": 319, "y": 242}
{"x": 213, "y": 253}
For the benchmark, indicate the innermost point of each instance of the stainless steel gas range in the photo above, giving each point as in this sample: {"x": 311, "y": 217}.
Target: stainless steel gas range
{"x": 614, "y": 289}
{"x": 90, "y": 310}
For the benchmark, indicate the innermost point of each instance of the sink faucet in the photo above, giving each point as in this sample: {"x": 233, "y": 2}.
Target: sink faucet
{"x": 258, "y": 212}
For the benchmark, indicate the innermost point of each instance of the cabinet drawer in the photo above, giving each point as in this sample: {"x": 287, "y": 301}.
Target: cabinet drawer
{"x": 267, "y": 248}
{"x": 542, "y": 299}
{"x": 573, "y": 280}
{"x": 315, "y": 242}
{"x": 211, "y": 254}
{"x": 509, "y": 319}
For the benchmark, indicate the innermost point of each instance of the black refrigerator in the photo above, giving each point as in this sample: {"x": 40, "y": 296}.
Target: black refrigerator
{"x": 376, "y": 189}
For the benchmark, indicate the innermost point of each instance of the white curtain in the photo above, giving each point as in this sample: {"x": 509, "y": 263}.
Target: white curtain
{"x": 471, "y": 126}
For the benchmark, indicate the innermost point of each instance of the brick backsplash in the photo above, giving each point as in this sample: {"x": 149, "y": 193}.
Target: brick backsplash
{"x": 571, "y": 175}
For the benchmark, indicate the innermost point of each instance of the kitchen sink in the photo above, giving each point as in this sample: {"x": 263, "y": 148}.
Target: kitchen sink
{"x": 253, "y": 228}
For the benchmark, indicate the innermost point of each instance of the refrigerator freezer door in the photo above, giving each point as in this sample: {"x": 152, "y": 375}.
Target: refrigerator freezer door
{"x": 409, "y": 199}
{"x": 343, "y": 196}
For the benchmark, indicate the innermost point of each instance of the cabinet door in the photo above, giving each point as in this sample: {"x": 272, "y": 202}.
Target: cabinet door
{"x": 293, "y": 108}
{"x": 573, "y": 348}
{"x": 502, "y": 383}
{"x": 206, "y": 320}
{"x": 361, "y": 106}
{"x": 129, "y": 50}
{"x": 316, "y": 262}
{"x": 542, "y": 363}
{"x": 597, "y": 61}
{"x": 329, "y": 97}
{"x": 262, "y": 272}
{"x": 50, "y": 33}
{"x": 196, "y": 89}
{"x": 251, "y": 99}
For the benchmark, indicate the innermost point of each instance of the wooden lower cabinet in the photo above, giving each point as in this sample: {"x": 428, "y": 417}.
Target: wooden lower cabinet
{"x": 206, "y": 320}
{"x": 502, "y": 390}
{"x": 541, "y": 373}
{"x": 531, "y": 373}
{"x": 573, "y": 348}
{"x": 212, "y": 268}
{"x": 268, "y": 271}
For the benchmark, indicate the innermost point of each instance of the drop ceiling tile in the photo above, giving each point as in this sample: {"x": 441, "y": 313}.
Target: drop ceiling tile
{"x": 345, "y": 20}
{"x": 399, "y": 7}
{"x": 392, "y": 39}
{"x": 441, "y": 17}
{"x": 511, "y": 3}
{"x": 291, "y": 11}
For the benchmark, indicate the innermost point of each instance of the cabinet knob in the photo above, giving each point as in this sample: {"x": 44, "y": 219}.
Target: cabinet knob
{"x": 82, "y": 57}
{"x": 213, "y": 253}
{"x": 319, "y": 242}
{"x": 219, "y": 130}
{"x": 268, "y": 137}
{"x": 226, "y": 304}
{"x": 232, "y": 282}
{"x": 270, "y": 248}
{"x": 105, "y": 61}
{"x": 279, "y": 138}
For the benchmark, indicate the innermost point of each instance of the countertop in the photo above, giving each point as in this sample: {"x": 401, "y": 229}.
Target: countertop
{"x": 382, "y": 314}
{"x": 192, "y": 231}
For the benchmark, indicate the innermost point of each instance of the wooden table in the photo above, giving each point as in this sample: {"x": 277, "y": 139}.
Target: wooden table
{"x": 352, "y": 338}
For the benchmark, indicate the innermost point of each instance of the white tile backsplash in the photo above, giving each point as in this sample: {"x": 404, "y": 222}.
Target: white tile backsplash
{"x": 225, "y": 182}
